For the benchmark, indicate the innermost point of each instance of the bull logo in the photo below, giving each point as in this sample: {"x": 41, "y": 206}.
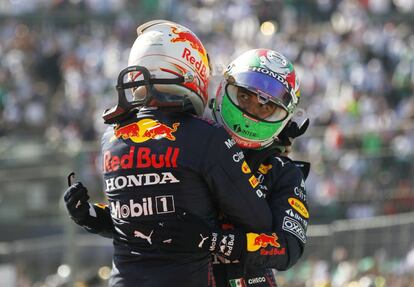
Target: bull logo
{"x": 256, "y": 241}
{"x": 144, "y": 130}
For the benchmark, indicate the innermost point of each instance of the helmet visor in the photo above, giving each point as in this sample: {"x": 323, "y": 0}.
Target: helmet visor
{"x": 269, "y": 86}
{"x": 256, "y": 105}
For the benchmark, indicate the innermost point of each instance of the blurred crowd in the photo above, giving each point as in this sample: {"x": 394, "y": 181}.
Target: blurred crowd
{"x": 372, "y": 271}
{"x": 60, "y": 60}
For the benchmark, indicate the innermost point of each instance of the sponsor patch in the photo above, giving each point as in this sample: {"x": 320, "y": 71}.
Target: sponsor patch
{"x": 300, "y": 192}
{"x": 256, "y": 241}
{"x": 294, "y": 227}
{"x": 144, "y": 130}
{"x": 260, "y": 193}
{"x": 226, "y": 244}
{"x": 134, "y": 180}
{"x": 253, "y": 181}
{"x": 274, "y": 75}
{"x": 299, "y": 207}
{"x": 256, "y": 280}
{"x": 296, "y": 216}
{"x": 230, "y": 143}
{"x": 264, "y": 169}
{"x": 140, "y": 157}
{"x": 238, "y": 156}
{"x": 245, "y": 167}
{"x": 273, "y": 251}
{"x": 145, "y": 207}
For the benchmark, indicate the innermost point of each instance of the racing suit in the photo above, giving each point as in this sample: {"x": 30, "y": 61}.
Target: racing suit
{"x": 156, "y": 163}
{"x": 282, "y": 181}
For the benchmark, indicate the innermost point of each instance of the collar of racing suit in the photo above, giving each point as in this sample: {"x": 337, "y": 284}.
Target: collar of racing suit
{"x": 255, "y": 157}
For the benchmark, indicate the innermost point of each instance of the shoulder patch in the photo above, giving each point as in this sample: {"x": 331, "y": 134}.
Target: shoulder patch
{"x": 264, "y": 169}
{"x": 294, "y": 227}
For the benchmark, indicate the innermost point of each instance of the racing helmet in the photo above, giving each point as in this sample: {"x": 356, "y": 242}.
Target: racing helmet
{"x": 271, "y": 77}
{"x": 169, "y": 50}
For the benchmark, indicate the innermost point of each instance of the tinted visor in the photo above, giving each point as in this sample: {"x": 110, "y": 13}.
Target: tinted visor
{"x": 253, "y": 104}
{"x": 265, "y": 85}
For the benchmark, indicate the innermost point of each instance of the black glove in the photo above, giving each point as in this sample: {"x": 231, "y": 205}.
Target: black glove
{"x": 76, "y": 201}
{"x": 292, "y": 130}
{"x": 189, "y": 234}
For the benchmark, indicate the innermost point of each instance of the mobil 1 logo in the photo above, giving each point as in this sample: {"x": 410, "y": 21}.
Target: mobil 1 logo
{"x": 147, "y": 206}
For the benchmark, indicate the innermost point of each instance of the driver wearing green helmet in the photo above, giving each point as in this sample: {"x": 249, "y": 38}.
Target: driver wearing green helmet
{"x": 255, "y": 103}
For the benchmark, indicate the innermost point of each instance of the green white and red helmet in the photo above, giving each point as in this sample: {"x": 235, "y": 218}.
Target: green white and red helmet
{"x": 271, "y": 77}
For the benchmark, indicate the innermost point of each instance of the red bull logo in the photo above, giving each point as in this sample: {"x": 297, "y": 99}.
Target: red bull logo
{"x": 128, "y": 131}
{"x": 185, "y": 36}
{"x": 161, "y": 131}
{"x": 144, "y": 130}
{"x": 188, "y": 37}
{"x": 264, "y": 240}
{"x": 140, "y": 157}
{"x": 273, "y": 251}
{"x": 256, "y": 241}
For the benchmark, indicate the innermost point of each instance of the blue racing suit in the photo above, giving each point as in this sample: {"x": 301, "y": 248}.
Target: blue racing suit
{"x": 282, "y": 181}
{"x": 156, "y": 163}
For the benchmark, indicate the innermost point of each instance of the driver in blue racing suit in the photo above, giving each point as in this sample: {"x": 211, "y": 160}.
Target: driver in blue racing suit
{"x": 255, "y": 102}
{"x": 160, "y": 161}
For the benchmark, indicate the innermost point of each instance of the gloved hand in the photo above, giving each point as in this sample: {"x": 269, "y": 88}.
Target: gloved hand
{"x": 188, "y": 234}
{"x": 292, "y": 130}
{"x": 76, "y": 201}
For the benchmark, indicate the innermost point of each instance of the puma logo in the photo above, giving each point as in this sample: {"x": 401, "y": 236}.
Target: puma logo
{"x": 143, "y": 236}
{"x": 202, "y": 240}
{"x": 281, "y": 161}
